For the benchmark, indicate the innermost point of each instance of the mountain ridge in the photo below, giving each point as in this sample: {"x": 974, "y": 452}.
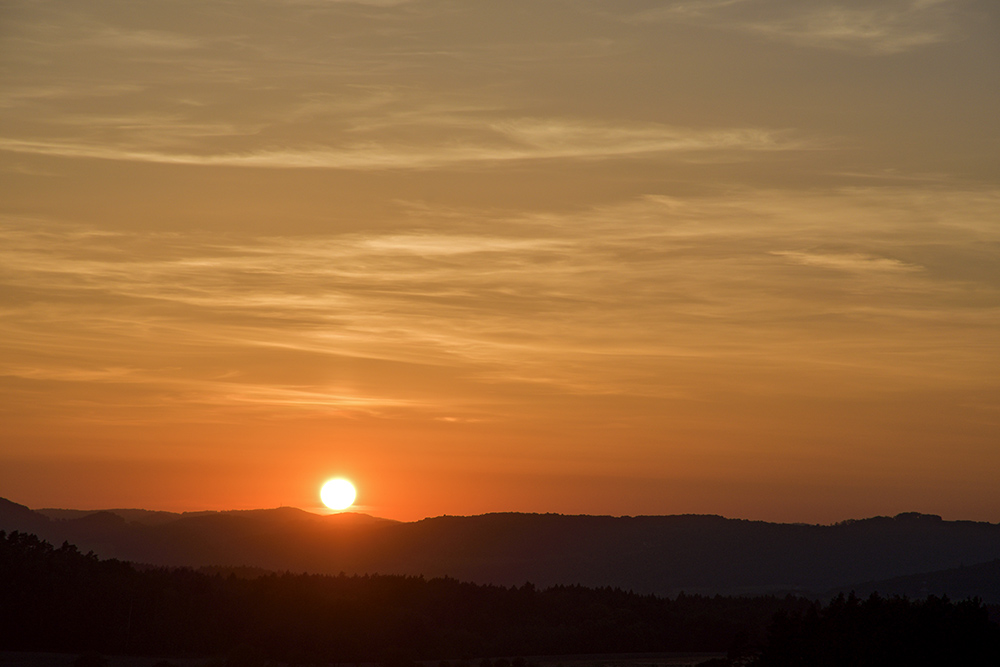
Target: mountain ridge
{"x": 648, "y": 554}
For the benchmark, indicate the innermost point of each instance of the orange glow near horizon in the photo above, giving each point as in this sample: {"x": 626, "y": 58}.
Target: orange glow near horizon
{"x": 601, "y": 257}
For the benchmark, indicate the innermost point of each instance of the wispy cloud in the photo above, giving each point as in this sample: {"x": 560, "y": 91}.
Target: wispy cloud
{"x": 653, "y": 297}
{"x": 488, "y": 141}
{"x": 884, "y": 29}
{"x": 682, "y": 9}
{"x": 15, "y": 95}
{"x": 891, "y": 26}
{"x": 119, "y": 38}
{"x": 856, "y": 262}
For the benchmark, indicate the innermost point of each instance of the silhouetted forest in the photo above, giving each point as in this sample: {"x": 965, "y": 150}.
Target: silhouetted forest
{"x": 58, "y": 599}
{"x": 880, "y": 632}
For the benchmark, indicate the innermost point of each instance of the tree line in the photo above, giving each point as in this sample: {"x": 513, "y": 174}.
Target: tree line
{"x": 58, "y": 599}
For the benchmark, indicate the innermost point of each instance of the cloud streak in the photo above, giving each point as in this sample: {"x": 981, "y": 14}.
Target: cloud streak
{"x": 500, "y": 141}
{"x": 885, "y": 28}
{"x": 855, "y": 262}
{"x": 582, "y": 304}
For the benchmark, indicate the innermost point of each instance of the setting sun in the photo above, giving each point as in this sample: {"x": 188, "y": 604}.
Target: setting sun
{"x": 338, "y": 494}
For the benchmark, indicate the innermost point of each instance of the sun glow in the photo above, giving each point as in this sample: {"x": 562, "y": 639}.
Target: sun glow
{"x": 338, "y": 494}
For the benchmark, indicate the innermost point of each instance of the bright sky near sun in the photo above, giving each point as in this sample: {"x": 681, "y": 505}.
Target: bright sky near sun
{"x": 584, "y": 256}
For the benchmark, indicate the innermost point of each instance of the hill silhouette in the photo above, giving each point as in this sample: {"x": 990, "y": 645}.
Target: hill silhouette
{"x": 648, "y": 554}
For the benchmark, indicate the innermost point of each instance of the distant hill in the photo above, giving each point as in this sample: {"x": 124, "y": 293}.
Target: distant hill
{"x": 148, "y": 517}
{"x": 647, "y": 554}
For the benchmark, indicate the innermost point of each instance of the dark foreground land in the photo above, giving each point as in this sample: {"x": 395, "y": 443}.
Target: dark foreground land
{"x": 22, "y": 659}
{"x": 58, "y": 600}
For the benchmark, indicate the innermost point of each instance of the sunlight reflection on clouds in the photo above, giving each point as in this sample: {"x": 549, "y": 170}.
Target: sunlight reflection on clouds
{"x": 587, "y": 303}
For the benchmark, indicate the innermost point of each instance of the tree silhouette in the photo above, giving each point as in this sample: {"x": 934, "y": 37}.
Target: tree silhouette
{"x": 58, "y": 599}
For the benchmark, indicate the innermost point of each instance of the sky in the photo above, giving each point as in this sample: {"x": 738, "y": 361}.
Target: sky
{"x": 625, "y": 257}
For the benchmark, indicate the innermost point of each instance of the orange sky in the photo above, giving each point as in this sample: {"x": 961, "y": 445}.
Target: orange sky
{"x": 612, "y": 257}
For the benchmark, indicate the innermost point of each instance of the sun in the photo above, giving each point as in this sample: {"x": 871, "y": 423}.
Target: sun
{"x": 338, "y": 494}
